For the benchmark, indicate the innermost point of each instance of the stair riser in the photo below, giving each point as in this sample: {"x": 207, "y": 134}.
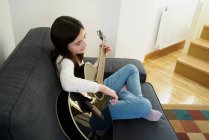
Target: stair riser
{"x": 205, "y": 33}
{"x": 193, "y": 74}
{"x": 199, "y": 52}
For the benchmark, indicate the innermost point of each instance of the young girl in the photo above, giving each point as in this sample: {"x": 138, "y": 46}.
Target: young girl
{"x": 127, "y": 102}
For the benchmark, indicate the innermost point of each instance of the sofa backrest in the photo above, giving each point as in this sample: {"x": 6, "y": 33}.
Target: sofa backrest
{"x": 28, "y": 90}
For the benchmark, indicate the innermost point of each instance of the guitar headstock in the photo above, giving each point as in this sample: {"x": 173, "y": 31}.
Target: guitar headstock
{"x": 101, "y": 36}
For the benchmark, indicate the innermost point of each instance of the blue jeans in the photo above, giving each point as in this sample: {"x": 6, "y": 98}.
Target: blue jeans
{"x": 131, "y": 103}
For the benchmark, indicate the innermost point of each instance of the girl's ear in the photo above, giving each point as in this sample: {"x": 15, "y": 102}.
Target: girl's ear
{"x": 68, "y": 47}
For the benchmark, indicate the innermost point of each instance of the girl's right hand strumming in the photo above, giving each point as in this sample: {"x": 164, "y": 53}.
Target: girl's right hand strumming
{"x": 108, "y": 91}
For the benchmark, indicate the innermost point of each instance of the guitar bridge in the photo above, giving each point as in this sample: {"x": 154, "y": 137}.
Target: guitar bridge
{"x": 94, "y": 110}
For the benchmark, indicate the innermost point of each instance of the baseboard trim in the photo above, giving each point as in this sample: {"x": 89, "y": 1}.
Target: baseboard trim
{"x": 164, "y": 51}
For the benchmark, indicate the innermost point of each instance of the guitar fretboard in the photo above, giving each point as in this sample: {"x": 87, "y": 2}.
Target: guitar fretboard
{"x": 101, "y": 61}
{"x": 101, "y": 66}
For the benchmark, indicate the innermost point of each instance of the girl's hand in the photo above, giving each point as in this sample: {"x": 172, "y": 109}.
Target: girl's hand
{"x": 108, "y": 91}
{"x": 107, "y": 48}
{"x": 114, "y": 101}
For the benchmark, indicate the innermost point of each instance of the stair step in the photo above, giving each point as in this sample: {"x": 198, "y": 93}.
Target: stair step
{"x": 199, "y": 48}
{"x": 201, "y": 43}
{"x": 195, "y": 63}
{"x": 205, "y": 32}
{"x": 194, "y": 69}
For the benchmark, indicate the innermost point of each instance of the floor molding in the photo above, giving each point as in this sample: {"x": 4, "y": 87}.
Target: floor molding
{"x": 164, "y": 51}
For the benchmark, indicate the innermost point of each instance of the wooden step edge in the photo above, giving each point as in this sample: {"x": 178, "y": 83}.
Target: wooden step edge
{"x": 206, "y": 26}
{"x": 195, "y": 63}
{"x": 203, "y": 43}
{"x": 186, "y": 106}
{"x": 205, "y": 32}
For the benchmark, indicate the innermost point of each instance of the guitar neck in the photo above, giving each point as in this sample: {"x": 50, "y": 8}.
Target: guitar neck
{"x": 101, "y": 65}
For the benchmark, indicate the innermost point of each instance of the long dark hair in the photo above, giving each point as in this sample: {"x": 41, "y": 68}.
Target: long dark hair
{"x": 64, "y": 30}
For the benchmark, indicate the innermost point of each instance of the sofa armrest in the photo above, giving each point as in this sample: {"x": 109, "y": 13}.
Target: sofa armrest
{"x": 113, "y": 64}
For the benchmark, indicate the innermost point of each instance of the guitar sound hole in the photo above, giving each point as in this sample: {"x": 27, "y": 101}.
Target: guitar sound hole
{"x": 99, "y": 95}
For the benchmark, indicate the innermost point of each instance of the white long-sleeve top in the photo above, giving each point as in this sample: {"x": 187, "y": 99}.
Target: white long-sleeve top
{"x": 68, "y": 80}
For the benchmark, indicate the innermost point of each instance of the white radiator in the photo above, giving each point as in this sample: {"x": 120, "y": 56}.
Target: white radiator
{"x": 175, "y": 22}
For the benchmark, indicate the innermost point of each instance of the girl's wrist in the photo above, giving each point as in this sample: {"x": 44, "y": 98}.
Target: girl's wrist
{"x": 101, "y": 88}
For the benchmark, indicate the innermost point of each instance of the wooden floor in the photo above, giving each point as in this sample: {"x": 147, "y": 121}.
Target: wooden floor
{"x": 174, "y": 90}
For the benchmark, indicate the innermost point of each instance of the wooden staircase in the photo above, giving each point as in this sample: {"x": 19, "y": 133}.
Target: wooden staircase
{"x": 195, "y": 65}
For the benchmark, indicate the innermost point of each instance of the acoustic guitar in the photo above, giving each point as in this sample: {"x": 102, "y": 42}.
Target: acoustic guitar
{"x": 74, "y": 110}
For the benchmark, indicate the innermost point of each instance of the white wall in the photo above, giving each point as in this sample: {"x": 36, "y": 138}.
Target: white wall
{"x": 138, "y": 26}
{"x": 125, "y": 23}
{"x": 94, "y": 14}
{"x": 175, "y": 22}
{"x": 203, "y": 18}
{"x": 139, "y": 22}
{"x": 6, "y": 33}
{"x": 130, "y": 26}
{"x": 200, "y": 19}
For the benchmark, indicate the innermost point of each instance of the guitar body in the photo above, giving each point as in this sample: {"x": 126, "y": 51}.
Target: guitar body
{"x": 66, "y": 118}
{"x": 74, "y": 120}
{"x": 90, "y": 71}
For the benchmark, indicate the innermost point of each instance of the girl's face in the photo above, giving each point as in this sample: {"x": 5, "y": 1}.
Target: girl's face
{"x": 79, "y": 44}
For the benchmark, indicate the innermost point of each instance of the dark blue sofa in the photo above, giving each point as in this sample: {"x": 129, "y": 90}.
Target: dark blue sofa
{"x": 29, "y": 87}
